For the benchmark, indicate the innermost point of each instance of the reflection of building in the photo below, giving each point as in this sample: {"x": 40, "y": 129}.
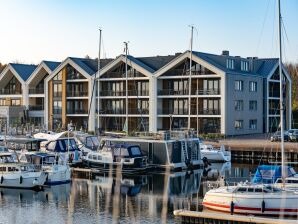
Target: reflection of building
{"x": 229, "y": 95}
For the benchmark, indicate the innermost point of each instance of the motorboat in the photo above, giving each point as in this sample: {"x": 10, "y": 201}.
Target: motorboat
{"x": 215, "y": 155}
{"x": 56, "y": 168}
{"x": 65, "y": 148}
{"x": 19, "y": 175}
{"x": 254, "y": 199}
{"x": 127, "y": 157}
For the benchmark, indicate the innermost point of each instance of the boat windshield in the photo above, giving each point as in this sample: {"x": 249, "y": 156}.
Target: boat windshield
{"x": 92, "y": 142}
{"x": 6, "y": 159}
{"x": 135, "y": 151}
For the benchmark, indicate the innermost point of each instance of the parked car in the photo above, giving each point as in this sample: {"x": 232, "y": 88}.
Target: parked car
{"x": 293, "y": 135}
{"x": 277, "y": 136}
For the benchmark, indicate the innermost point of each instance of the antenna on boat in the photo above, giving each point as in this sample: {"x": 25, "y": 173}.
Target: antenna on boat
{"x": 97, "y": 78}
{"x": 126, "y": 89}
{"x": 189, "y": 79}
{"x": 283, "y": 173}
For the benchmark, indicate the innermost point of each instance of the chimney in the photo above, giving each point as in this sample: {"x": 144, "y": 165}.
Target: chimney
{"x": 225, "y": 53}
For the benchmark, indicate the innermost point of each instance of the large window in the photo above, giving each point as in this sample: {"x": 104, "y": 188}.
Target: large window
{"x": 181, "y": 106}
{"x": 239, "y": 105}
{"x": 2, "y": 102}
{"x": 239, "y": 85}
{"x": 57, "y": 107}
{"x": 253, "y": 105}
{"x": 58, "y": 77}
{"x": 238, "y": 124}
{"x": 211, "y": 106}
{"x": 253, "y": 124}
{"x": 73, "y": 74}
{"x": 253, "y": 86}
{"x": 15, "y": 102}
{"x": 57, "y": 89}
{"x": 211, "y": 86}
{"x": 143, "y": 88}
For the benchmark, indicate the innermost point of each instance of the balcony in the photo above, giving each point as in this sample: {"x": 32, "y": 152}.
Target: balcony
{"x": 184, "y": 111}
{"x": 36, "y": 107}
{"x": 168, "y": 92}
{"x": 77, "y": 111}
{"x": 112, "y": 93}
{"x": 36, "y": 91}
{"x": 206, "y": 92}
{"x": 113, "y": 111}
{"x": 138, "y": 111}
{"x": 10, "y": 92}
{"x": 77, "y": 93}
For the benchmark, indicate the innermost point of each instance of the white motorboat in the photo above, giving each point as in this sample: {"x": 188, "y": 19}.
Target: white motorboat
{"x": 252, "y": 199}
{"x": 19, "y": 175}
{"x": 128, "y": 157}
{"x": 57, "y": 170}
{"x": 214, "y": 154}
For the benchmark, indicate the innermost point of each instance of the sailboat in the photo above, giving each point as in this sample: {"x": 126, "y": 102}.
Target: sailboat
{"x": 258, "y": 199}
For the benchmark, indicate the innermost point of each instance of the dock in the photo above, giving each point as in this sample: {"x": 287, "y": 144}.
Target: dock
{"x": 193, "y": 217}
{"x": 253, "y": 148}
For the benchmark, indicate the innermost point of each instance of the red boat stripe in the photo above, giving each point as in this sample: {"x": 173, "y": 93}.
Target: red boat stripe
{"x": 252, "y": 209}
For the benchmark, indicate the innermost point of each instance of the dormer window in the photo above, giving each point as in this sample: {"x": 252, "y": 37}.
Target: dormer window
{"x": 230, "y": 63}
{"x": 244, "y": 66}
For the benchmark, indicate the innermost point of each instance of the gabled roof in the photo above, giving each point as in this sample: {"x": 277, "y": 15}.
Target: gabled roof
{"x": 89, "y": 65}
{"x": 23, "y": 70}
{"x": 265, "y": 66}
{"x": 52, "y": 65}
{"x": 140, "y": 63}
{"x": 157, "y": 62}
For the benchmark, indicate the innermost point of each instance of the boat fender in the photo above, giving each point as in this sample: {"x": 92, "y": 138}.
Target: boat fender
{"x": 232, "y": 207}
{"x": 2, "y": 179}
{"x": 263, "y": 206}
{"x": 21, "y": 179}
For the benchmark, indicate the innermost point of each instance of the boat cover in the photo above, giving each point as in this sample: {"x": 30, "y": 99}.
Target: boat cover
{"x": 268, "y": 174}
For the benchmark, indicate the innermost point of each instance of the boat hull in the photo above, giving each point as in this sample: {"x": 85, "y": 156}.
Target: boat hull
{"x": 215, "y": 156}
{"x": 23, "y": 180}
{"x": 271, "y": 205}
{"x": 58, "y": 174}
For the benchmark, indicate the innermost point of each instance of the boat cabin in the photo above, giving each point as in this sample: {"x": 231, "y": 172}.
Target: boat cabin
{"x": 123, "y": 151}
{"x": 29, "y": 144}
{"x": 41, "y": 159}
{"x": 62, "y": 145}
{"x": 256, "y": 189}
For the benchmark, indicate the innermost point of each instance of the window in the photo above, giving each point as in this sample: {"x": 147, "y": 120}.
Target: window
{"x": 230, "y": 63}
{"x": 239, "y": 85}
{"x": 135, "y": 151}
{"x": 57, "y": 107}
{"x": 58, "y": 77}
{"x": 244, "y": 66}
{"x": 15, "y": 102}
{"x": 57, "y": 89}
{"x": 238, "y": 124}
{"x": 252, "y": 86}
{"x": 2, "y": 102}
{"x": 253, "y": 105}
{"x": 253, "y": 124}
{"x": 239, "y": 105}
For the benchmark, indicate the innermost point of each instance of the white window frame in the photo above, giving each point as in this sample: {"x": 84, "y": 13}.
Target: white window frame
{"x": 253, "y": 86}
{"x": 252, "y": 125}
{"x": 239, "y": 105}
{"x": 239, "y": 126}
{"x": 238, "y": 85}
{"x": 230, "y": 63}
{"x": 244, "y": 66}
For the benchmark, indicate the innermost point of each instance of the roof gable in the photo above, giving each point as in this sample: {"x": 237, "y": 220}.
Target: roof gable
{"x": 23, "y": 70}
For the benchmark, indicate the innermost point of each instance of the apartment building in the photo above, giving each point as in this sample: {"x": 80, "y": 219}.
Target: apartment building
{"x": 222, "y": 93}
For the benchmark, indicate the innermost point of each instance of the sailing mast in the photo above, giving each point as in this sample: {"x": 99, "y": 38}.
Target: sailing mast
{"x": 281, "y": 97}
{"x": 126, "y": 89}
{"x": 189, "y": 79}
{"x": 97, "y": 78}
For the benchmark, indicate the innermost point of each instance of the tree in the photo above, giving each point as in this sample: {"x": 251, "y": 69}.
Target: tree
{"x": 293, "y": 71}
{"x": 2, "y": 66}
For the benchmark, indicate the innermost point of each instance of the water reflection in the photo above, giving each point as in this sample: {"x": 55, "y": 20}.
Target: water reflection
{"x": 106, "y": 199}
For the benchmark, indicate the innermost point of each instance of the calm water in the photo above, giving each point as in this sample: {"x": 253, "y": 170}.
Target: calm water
{"x": 125, "y": 199}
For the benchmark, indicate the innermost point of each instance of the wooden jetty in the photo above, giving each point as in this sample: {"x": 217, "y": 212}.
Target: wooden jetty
{"x": 190, "y": 217}
{"x": 254, "y": 148}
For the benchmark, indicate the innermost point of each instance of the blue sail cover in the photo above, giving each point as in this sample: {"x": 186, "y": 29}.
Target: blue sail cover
{"x": 268, "y": 174}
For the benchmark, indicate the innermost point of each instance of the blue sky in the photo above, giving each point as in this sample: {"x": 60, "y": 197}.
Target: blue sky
{"x": 34, "y": 30}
